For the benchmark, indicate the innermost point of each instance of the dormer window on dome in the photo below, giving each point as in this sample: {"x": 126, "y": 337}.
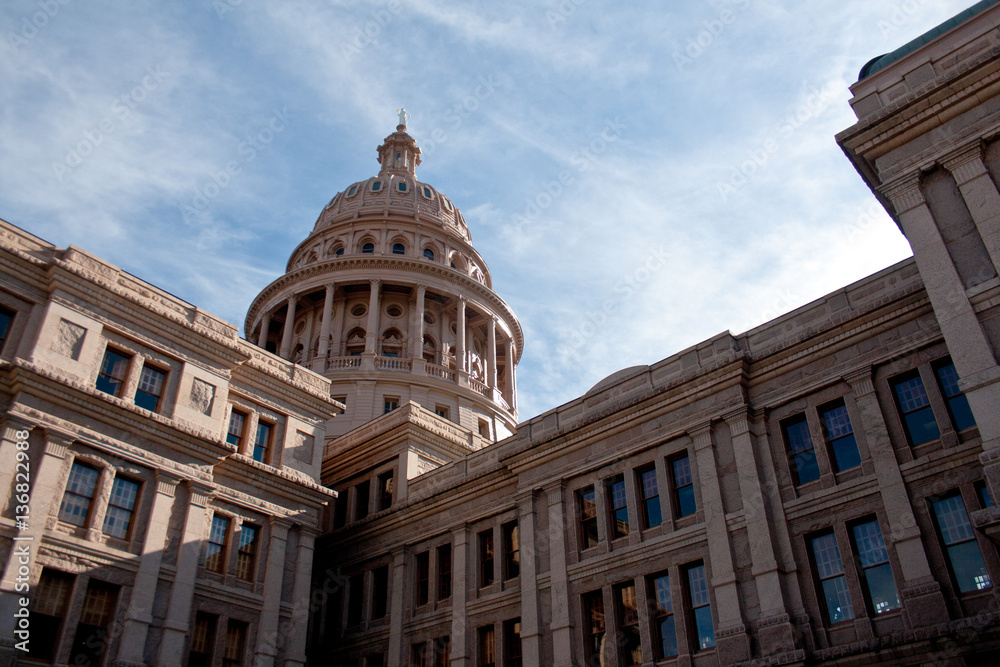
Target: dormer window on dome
{"x": 427, "y": 192}
{"x": 402, "y": 186}
{"x": 352, "y": 190}
{"x": 376, "y": 186}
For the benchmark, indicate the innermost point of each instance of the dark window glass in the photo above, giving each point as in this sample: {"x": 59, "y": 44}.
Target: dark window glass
{"x": 593, "y": 627}
{"x": 485, "y": 558}
{"x": 512, "y": 643}
{"x": 800, "y": 448}
{"x": 362, "y": 495}
{"x": 355, "y": 599}
{"x": 398, "y": 248}
{"x": 840, "y": 435}
{"x": 376, "y": 186}
{"x": 368, "y": 248}
{"x": 627, "y": 609}
{"x": 664, "y": 630}
{"x": 701, "y": 608}
{"x": 75, "y": 506}
{"x": 114, "y": 369}
{"x": 375, "y": 660}
{"x": 49, "y": 603}
{"x": 588, "y": 517}
{"x": 340, "y": 511}
{"x": 418, "y": 655}
{"x": 423, "y": 578}
{"x": 402, "y": 187}
{"x": 215, "y": 551}
{"x": 683, "y": 486}
{"x": 511, "y": 550}
{"x": 385, "y": 485}
{"x": 876, "y": 571}
{"x": 830, "y": 573}
{"x": 618, "y": 505}
{"x": 380, "y": 603}
{"x": 6, "y": 317}
{"x": 339, "y": 252}
{"x": 236, "y": 641}
{"x": 121, "y": 504}
{"x": 487, "y": 646}
{"x": 651, "y": 515}
{"x": 262, "y": 443}
{"x": 442, "y": 652}
{"x": 429, "y": 254}
{"x": 983, "y": 492}
{"x": 150, "y": 389}
{"x": 444, "y": 572}
{"x": 964, "y": 556}
{"x": 427, "y": 192}
{"x": 389, "y": 404}
{"x": 234, "y": 434}
{"x": 958, "y": 405}
{"x": 911, "y": 399}
{"x": 246, "y": 555}
{"x": 90, "y": 641}
{"x": 202, "y": 640}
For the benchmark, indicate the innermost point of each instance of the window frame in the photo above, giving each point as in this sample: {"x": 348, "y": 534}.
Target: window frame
{"x": 819, "y": 579}
{"x": 88, "y": 509}
{"x": 594, "y": 622}
{"x": 619, "y": 527}
{"x": 627, "y": 624}
{"x": 660, "y": 614}
{"x": 486, "y": 558}
{"x": 386, "y": 484}
{"x": 244, "y": 420}
{"x": 125, "y": 356}
{"x": 247, "y": 552}
{"x": 223, "y": 546}
{"x": 268, "y": 446}
{"x": 511, "y": 634}
{"x": 947, "y": 547}
{"x": 695, "y": 614}
{"x": 510, "y": 540}
{"x": 362, "y": 499}
{"x": 677, "y": 489}
{"x": 863, "y": 570}
{"x": 897, "y": 380}
{"x": 486, "y": 646}
{"x": 589, "y": 530}
{"x": 5, "y": 329}
{"x": 443, "y": 557}
{"x": 951, "y": 400}
{"x": 164, "y": 373}
{"x": 649, "y": 501}
{"x": 422, "y": 578}
{"x": 130, "y": 510}
{"x": 380, "y": 592}
{"x": 799, "y": 420}
{"x": 832, "y": 442}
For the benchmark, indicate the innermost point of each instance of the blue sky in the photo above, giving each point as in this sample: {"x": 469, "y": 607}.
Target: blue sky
{"x": 639, "y": 176}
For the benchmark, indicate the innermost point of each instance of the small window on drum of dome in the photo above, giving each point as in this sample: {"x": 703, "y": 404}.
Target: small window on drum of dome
{"x": 358, "y": 311}
{"x": 339, "y": 252}
{"x": 429, "y": 254}
{"x": 353, "y": 189}
{"x": 398, "y": 249}
{"x": 402, "y": 186}
{"x": 394, "y": 311}
{"x": 427, "y": 192}
{"x": 368, "y": 248}
{"x": 447, "y": 204}
{"x": 376, "y": 186}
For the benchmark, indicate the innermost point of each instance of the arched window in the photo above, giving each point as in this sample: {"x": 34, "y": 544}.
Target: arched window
{"x": 429, "y": 254}
{"x": 398, "y": 249}
{"x": 368, "y": 248}
{"x": 402, "y": 186}
{"x": 339, "y": 251}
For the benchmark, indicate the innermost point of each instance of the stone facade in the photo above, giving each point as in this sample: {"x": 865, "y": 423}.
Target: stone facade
{"x": 141, "y": 531}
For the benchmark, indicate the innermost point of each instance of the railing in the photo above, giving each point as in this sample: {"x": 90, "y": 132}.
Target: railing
{"x": 338, "y": 363}
{"x": 480, "y": 387}
{"x": 393, "y": 364}
{"x": 441, "y": 372}
{"x": 503, "y": 402}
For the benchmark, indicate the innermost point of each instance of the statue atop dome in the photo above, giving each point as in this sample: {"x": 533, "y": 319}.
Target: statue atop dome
{"x": 403, "y": 117}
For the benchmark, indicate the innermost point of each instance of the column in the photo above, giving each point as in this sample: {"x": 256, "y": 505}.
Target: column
{"x": 561, "y": 627}
{"x": 337, "y": 332}
{"x": 491, "y": 353}
{"x": 307, "y": 346}
{"x": 286, "y": 332}
{"x": 140, "y": 609}
{"x": 981, "y": 197}
{"x": 45, "y": 498}
{"x": 371, "y": 333}
{"x": 176, "y": 625}
{"x": 920, "y": 592}
{"x": 531, "y": 631}
{"x": 733, "y": 644}
{"x": 267, "y": 629}
{"x": 8, "y": 451}
{"x": 398, "y": 592}
{"x": 295, "y": 649}
{"x": 509, "y": 374}
{"x": 461, "y": 641}
{"x": 418, "y": 329}
{"x": 324, "y": 328}
{"x": 265, "y": 325}
{"x": 460, "y": 333}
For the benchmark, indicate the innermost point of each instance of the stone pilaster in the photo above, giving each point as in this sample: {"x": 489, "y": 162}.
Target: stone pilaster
{"x": 531, "y": 631}
{"x": 372, "y": 332}
{"x": 265, "y": 324}
{"x": 561, "y": 627}
{"x": 324, "y": 328}
{"x": 267, "y": 629}
{"x": 295, "y": 639}
{"x": 397, "y": 608}
{"x": 286, "y": 331}
{"x": 461, "y": 641}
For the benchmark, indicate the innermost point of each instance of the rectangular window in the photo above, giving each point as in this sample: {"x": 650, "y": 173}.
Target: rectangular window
{"x": 701, "y": 609}
{"x": 362, "y": 496}
{"x": 958, "y": 405}
{"x": 830, "y": 574}
{"x": 512, "y": 643}
{"x": 664, "y": 627}
{"x": 876, "y": 571}
{"x": 390, "y": 403}
{"x": 964, "y": 556}
{"x": 121, "y": 504}
{"x": 983, "y": 493}
{"x": 385, "y": 485}
{"x": 215, "y": 554}
{"x": 380, "y": 592}
{"x": 114, "y": 371}
{"x": 627, "y": 610}
{"x": 262, "y": 442}
{"x": 234, "y": 434}
{"x": 800, "y": 449}
{"x": 444, "y": 572}
{"x": 441, "y": 411}
{"x": 246, "y": 556}
{"x": 340, "y": 511}
{"x": 840, "y": 436}
{"x": 593, "y": 626}
{"x": 423, "y": 578}
{"x": 442, "y": 651}
{"x": 150, "y": 389}
{"x": 511, "y": 550}
{"x": 355, "y": 599}
{"x": 75, "y": 507}
{"x": 418, "y": 654}
{"x": 6, "y": 318}
{"x": 911, "y": 400}
{"x": 486, "y": 558}
{"x": 588, "y": 517}
{"x": 202, "y": 640}
{"x": 95, "y": 618}
{"x": 375, "y": 660}
{"x": 236, "y": 640}
{"x": 683, "y": 486}
{"x": 651, "y": 515}
{"x": 618, "y": 505}
{"x": 487, "y": 646}
{"x": 48, "y": 608}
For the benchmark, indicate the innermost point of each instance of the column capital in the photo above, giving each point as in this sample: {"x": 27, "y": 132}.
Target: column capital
{"x": 279, "y": 527}
{"x": 57, "y": 444}
{"x": 966, "y": 163}
{"x": 166, "y": 482}
{"x": 421, "y": 290}
{"x": 16, "y": 423}
{"x": 292, "y": 299}
{"x": 331, "y": 285}
{"x": 375, "y": 283}
{"x": 861, "y": 381}
{"x": 904, "y": 192}
{"x": 462, "y": 299}
{"x": 738, "y": 420}
{"x": 201, "y": 494}
{"x": 701, "y": 435}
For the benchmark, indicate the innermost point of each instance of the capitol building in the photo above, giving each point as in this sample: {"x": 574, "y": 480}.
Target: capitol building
{"x": 350, "y": 483}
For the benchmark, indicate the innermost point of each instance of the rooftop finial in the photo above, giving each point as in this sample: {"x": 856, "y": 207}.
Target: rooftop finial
{"x": 403, "y": 116}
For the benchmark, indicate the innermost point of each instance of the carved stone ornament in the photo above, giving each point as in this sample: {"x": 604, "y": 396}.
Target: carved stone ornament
{"x": 69, "y": 339}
